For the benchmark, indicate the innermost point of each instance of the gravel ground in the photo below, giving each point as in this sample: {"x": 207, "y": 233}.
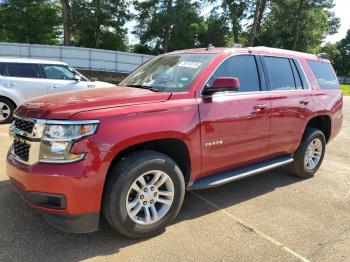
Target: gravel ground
{"x": 270, "y": 217}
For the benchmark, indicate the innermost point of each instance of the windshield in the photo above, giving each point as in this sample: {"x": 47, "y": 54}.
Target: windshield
{"x": 83, "y": 78}
{"x": 168, "y": 73}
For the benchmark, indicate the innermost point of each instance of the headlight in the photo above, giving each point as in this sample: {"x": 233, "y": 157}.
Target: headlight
{"x": 58, "y": 138}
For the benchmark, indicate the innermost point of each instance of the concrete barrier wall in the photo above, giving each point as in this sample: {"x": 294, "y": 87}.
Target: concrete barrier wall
{"x": 344, "y": 80}
{"x": 78, "y": 57}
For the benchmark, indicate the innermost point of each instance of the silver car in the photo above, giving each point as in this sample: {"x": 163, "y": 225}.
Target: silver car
{"x": 22, "y": 79}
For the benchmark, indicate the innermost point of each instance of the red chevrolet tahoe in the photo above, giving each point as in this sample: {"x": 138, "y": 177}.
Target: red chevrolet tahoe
{"x": 185, "y": 120}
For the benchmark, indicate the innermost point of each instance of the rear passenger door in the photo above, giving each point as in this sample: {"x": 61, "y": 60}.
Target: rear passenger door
{"x": 25, "y": 80}
{"x": 291, "y": 103}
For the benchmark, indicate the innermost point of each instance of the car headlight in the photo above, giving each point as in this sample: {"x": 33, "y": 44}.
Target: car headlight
{"x": 59, "y": 137}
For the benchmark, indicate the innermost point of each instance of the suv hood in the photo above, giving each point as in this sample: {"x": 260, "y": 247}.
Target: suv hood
{"x": 64, "y": 105}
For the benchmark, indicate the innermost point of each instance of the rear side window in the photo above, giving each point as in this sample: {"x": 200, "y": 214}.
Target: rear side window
{"x": 244, "y": 68}
{"x": 280, "y": 73}
{"x": 324, "y": 74}
{"x": 2, "y": 68}
{"x": 22, "y": 70}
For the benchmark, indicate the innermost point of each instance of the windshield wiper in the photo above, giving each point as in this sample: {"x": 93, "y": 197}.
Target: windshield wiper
{"x": 144, "y": 87}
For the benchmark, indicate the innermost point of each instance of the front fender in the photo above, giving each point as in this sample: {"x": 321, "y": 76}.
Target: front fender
{"x": 124, "y": 127}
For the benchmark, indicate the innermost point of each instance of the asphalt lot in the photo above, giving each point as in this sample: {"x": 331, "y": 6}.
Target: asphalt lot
{"x": 270, "y": 217}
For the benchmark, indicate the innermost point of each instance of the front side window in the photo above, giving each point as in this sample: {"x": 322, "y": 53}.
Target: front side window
{"x": 168, "y": 73}
{"x": 21, "y": 70}
{"x": 280, "y": 73}
{"x": 242, "y": 67}
{"x": 324, "y": 74}
{"x": 58, "y": 72}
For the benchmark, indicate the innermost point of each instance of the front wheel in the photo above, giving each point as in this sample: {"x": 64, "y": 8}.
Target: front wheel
{"x": 6, "y": 111}
{"x": 143, "y": 194}
{"x": 309, "y": 156}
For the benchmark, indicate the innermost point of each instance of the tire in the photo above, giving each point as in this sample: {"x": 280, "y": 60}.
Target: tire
{"x": 120, "y": 192}
{"x": 7, "y": 109}
{"x": 302, "y": 168}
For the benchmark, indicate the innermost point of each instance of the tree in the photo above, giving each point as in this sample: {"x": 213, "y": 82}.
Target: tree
{"x": 66, "y": 21}
{"x": 332, "y": 51}
{"x": 342, "y": 62}
{"x": 214, "y": 30}
{"x": 100, "y": 23}
{"x": 298, "y": 24}
{"x": 260, "y": 6}
{"x": 167, "y": 25}
{"x": 27, "y": 21}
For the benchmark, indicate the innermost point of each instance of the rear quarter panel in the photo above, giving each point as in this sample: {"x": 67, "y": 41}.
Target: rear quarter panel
{"x": 326, "y": 102}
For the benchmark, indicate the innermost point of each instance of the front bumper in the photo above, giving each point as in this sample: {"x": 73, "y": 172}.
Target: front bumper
{"x": 74, "y": 192}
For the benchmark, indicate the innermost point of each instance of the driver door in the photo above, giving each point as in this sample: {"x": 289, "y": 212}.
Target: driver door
{"x": 235, "y": 125}
{"x": 61, "y": 79}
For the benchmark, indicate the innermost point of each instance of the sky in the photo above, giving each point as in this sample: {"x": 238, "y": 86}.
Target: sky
{"x": 341, "y": 9}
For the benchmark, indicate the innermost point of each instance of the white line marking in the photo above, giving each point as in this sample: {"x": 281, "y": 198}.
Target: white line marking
{"x": 245, "y": 225}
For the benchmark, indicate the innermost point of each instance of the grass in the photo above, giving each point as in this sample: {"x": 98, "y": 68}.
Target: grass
{"x": 345, "y": 89}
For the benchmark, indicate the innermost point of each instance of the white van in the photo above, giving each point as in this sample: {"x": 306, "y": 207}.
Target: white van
{"x": 23, "y": 78}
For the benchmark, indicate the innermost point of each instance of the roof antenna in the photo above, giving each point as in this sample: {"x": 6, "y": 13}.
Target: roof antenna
{"x": 210, "y": 46}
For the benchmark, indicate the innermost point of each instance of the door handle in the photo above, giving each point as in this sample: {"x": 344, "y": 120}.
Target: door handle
{"x": 260, "y": 107}
{"x": 304, "y": 102}
{"x": 54, "y": 86}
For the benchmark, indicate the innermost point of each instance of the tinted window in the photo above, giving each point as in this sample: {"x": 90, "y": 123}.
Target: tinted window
{"x": 280, "y": 73}
{"x": 244, "y": 68}
{"x": 296, "y": 74}
{"x": 324, "y": 74}
{"x": 22, "y": 70}
{"x": 58, "y": 72}
{"x": 304, "y": 82}
{"x": 2, "y": 68}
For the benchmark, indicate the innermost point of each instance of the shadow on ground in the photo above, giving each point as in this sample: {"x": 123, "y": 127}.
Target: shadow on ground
{"x": 25, "y": 236}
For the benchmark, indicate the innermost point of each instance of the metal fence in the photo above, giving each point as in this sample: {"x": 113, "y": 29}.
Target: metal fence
{"x": 344, "y": 80}
{"x": 78, "y": 57}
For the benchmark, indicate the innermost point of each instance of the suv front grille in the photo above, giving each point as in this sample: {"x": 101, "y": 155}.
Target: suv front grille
{"x": 24, "y": 125}
{"x": 21, "y": 150}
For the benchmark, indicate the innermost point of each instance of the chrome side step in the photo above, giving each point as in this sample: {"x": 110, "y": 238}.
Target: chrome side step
{"x": 239, "y": 173}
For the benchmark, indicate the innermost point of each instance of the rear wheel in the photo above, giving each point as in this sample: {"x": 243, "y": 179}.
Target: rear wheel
{"x": 309, "y": 156}
{"x": 144, "y": 193}
{"x": 6, "y": 111}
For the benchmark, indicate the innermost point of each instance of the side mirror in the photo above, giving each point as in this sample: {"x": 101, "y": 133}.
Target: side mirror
{"x": 77, "y": 78}
{"x": 222, "y": 84}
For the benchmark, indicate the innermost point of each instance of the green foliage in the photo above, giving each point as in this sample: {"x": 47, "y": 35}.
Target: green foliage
{"x": 235, "y": 11}
{"x": 99, "y": 23}
{"x": 332, "y": 51}
{"x": 28, "y": 21}
{"x": 342, "y": 62}
{"x": 215, "y": 31}
{"x": 167, "y": 25}
{"x": 141, "y": 49}
{"x": 298, "y": 24}
{"x": 345, "y": 89}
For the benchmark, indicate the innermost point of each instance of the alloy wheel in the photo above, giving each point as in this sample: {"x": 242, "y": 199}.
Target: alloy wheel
{"x": 150, "y": 197}
{"x": 313, "y": 154}
{"x": 5, "y": 111}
